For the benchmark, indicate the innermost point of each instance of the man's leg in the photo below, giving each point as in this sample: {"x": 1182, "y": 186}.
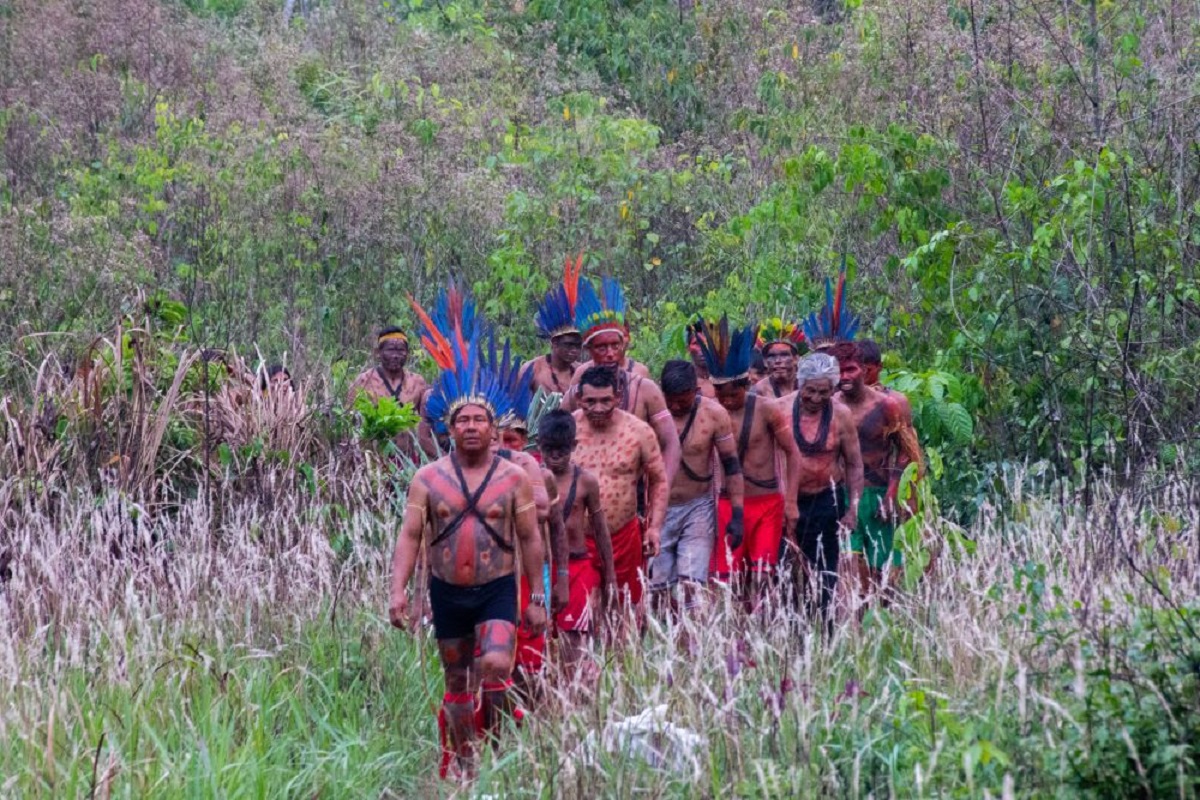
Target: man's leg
{"x": 496, "y": 642}
{"x": 663, "y": 569}
{"x": 578, "y": 620}
{"x": 458, "y": 704}
{"x": 764, "y": 532}
{"x": 694, "y": 549}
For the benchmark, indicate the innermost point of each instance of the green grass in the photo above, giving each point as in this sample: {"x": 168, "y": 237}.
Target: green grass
{"x": 245, "y": 669}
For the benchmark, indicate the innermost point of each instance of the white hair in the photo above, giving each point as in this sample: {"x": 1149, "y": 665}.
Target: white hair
{"x": 818, "y": 366}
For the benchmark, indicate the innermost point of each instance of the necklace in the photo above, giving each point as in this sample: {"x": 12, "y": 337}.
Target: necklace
{"x": 817, "y": 445}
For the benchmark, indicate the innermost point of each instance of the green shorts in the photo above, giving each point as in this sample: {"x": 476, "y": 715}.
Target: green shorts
{"x": 873, "y": 537}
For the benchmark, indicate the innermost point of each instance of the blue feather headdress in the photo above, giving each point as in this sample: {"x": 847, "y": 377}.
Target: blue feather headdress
{"x": 517, "y": 384}
{"x": 727, "y": 353}
{"x": 451, "y": 336}
{"x": 556, "y": 313}
{"x": 833, "y": 323}
{"x": 601, "y": 313}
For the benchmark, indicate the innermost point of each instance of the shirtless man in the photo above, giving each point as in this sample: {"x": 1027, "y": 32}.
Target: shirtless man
{"x": 780, "y": 343}
{"x": 871, "y": 358}
{"x": 827, "y": 439}
{"x": 476, "y": 507}
{"x": 389, "y": 378}
{"x": 764, "y": 441}
{"x": 606, "y": 338}
{"x": 883, "y": 425}
{"x": 690, "y": 527}
{"x": 621, "y": 450}
{"x": 588, "y": 541}
{"x": 556, "y": 323}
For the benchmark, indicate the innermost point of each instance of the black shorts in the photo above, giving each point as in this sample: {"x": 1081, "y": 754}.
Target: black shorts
{"x": 457, "y": 610}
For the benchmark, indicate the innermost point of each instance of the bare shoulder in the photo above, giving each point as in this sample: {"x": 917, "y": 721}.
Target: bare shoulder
{"x": 362, "y": 377}
{"x": 641, "y": 370}
{"x": 588, "y": 480}
{"x": 843, "y": 414}
{"x": 650, "y": 389}
{"x": 517, "y": 467}
{"x": 429, "y": 471}
{"x": 715, "y": 410}
{"x": 582, "y": 368}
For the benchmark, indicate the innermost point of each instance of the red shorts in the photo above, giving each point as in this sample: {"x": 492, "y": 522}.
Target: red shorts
{"x": 531, "y": 650}
{"x": 584, "y": 598}
{"x": 759, "y": 551}
{"x": 628, "y": 558}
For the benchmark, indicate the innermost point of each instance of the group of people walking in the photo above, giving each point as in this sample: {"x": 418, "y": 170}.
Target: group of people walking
{"x": 574, "y": 492}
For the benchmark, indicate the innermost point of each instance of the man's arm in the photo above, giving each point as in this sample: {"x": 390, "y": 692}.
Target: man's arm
{"x": 658, "y": 489}
{"x": 600, "y": 531}
{"x": 781, "y": 429}
{"x": 533, "y": 555}
{"x": 906, "y": 448}
{"x": 558, "y": 544}
{"x": 533, "y": 471}
{"x": 852, "y": 459}
{"x": 408, "y": 547}
{"x": 425, "y": 436}
{"x": 664, "y": 429}
{"x": 735, "y": 486}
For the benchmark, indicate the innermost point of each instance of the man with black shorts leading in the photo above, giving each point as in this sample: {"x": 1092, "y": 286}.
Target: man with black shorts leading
{"x": 480, "y": 513}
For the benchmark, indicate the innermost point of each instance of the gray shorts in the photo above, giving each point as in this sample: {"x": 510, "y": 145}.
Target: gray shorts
{"x": 688, "y": 535}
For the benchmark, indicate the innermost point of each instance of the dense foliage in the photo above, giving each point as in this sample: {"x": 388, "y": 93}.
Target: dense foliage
{"x": 1015, "y": 186}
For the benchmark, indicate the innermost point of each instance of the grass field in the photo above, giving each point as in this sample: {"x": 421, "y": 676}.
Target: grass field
{"x": 163, "y": 661}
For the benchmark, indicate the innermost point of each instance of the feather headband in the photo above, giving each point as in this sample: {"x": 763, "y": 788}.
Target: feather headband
{"x": 556, "y": 313}
{"x": 727, "y": 353}
{"x": 603, "y": 312}
{"x": 516, "y": 383}
{"x": 777, "y": 331}
{"x": 833, "y": 323}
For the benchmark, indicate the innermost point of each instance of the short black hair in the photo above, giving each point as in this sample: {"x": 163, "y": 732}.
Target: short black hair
{"x": 869, "y": 352}
{"x": 599, "y": 378}
{"x": 758, "y": 363}
{"x": 556, "y": 430}
{"x": 678, "y": 377}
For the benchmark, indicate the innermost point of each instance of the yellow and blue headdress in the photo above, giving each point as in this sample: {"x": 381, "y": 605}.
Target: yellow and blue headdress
{"x": 833, "y": 323}
{"x": 517, "y": 384}
{"x": 451, "y": 336}
{"x": 776, "y": 331}
{"x": 727, "y": 353}
{"x": 601, "y": 313}
{"x": 556, "y": 313}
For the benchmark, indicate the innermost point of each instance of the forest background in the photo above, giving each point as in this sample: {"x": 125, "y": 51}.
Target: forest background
{"x": 1013, "y": 185}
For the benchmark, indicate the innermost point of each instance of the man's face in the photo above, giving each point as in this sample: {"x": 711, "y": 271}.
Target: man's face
{"x": 514, "y": 439}
{"x": 565, "y": 349}
{"x": 781, "y": 363}
{"x": 472, "y": 429}
{"x": 732, "y": 395}
{"x": 607, "y": 349}
{"x": 392, "y": 354}
{"x": 871, "y": 373}
{"x": 598, "y": 404}
{"x": 698, "y": 359}
{"x": 557, "y": 459}
{"x": 680, "y": 405}
{"x": 814, "y": 394}
{"x": 852, "y": 376}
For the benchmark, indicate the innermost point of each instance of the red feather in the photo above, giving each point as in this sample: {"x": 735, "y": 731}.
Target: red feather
{"x": 571, "y": 279}
{"x": 435, "y": 344}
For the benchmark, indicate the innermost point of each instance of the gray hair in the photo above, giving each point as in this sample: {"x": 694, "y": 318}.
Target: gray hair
{"x": 818, "y": 366}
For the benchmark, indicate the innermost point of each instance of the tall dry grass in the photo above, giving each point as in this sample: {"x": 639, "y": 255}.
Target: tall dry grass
{"x": 258, "y": 662}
